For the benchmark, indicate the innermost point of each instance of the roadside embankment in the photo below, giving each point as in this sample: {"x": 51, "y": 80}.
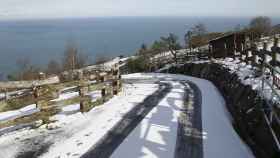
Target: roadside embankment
{"x": 242, "y": 101}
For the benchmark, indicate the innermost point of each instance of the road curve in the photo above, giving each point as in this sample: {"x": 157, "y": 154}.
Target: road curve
{"x": 217, "y": 134}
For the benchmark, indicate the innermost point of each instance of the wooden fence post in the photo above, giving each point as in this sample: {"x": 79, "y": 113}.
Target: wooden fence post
{"x": 7, "y": 97}
{"x": 274, "y": 51}
{"x": 235, "y": 48}
{"x": 254, "y": 52}
{"x": 103, "y": 94}
{"x": 242, "y": 51}
{"x": 83, "y": 90}
{"x": 80, "y": 75}
{"x": 36, "y": 96}
{"x": 247, "y": 56}
{"x": 116, "y": 80}
{"x": 263, "y": 55}
{"x": 225, "y": 47}
{"x": 274, "y": 60}
{"x": 210, "y": 56}
{"x": 115, "y": 87}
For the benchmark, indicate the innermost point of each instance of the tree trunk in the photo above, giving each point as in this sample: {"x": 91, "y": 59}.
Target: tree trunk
{"x": 174, "y": 53}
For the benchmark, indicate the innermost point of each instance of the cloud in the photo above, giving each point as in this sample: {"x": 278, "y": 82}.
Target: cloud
{"x": 77, "y": 8}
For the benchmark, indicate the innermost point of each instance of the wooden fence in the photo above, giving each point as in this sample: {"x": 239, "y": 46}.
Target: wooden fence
{"x": 267, "y": 60}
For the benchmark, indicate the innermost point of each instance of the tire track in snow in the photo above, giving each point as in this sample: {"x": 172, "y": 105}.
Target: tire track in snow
{"x": 189, "y": 134}
{"x": 115, "y": 137}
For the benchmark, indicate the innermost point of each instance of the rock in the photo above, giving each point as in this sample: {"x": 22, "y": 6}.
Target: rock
{"x": 52, "y": 126}
{"x": 38, "y": 123}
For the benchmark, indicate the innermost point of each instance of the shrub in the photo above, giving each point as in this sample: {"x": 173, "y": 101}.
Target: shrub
{"x": 138, "y": 64}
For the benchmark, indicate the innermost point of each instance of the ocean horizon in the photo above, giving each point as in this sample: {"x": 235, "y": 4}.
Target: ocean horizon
{"x": 43, "y": 40}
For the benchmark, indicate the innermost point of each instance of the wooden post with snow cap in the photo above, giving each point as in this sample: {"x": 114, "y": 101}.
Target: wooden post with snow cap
{"x": 42, "y": 76}
{"x": 102, "y": 77}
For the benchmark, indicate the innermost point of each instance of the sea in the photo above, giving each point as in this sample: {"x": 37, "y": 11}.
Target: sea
{"x": 41, "y": 40}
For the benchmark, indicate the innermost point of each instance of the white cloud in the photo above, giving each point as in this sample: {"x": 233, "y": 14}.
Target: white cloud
{"x": 74, "y": 8}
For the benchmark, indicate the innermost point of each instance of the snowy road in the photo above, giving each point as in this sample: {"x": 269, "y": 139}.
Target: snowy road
{"x": 155, "y": 136}
{"x": 148, "y": 120}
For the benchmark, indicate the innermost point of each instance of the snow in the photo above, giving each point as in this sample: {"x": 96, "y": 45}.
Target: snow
{"x": 89, "y": 128}
{"x": 4, "y": 116}
{"x": 155, "y": 135}
{"x": 2, "y": 95}
{"x": 95, "y": 95}
{"x": 219, "y": 136}
{"x": 70, "y": 108}
{"x": 66, "y": 96}
{"x": 68, "y": 88}
{"x": 10, "y": 115}
{"x": 247, "y": 75}
{"x": 92, "y": 82}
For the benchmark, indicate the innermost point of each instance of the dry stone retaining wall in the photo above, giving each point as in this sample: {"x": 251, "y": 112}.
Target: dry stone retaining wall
{"x": 243, "y": 103}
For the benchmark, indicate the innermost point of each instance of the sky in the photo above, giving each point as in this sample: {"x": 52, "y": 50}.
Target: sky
{"x": 36, "y": 9}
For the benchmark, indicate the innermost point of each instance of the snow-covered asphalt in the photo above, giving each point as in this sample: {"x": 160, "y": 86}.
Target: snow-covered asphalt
{"x": 148, "y": 120}
{"x": 156, "y": 135}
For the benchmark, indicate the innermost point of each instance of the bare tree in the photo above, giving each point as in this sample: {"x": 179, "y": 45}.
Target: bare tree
{"x": 82, "y": 60}
{"x": 187, "y": 39}
{"x": 260, "y": 25}
{"x": 27, "y": 71}
{"x": 53, "y": 67}
{"x": 172, "y": 44}
{"x": 196, "y": 36}
{"x": 199, "y": 29}
{"x": 73, "y": 59}
{"x": 69, "y": 61}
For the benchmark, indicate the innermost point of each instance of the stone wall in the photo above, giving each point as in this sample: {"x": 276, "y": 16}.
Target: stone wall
{"x": 242, "y": 102}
